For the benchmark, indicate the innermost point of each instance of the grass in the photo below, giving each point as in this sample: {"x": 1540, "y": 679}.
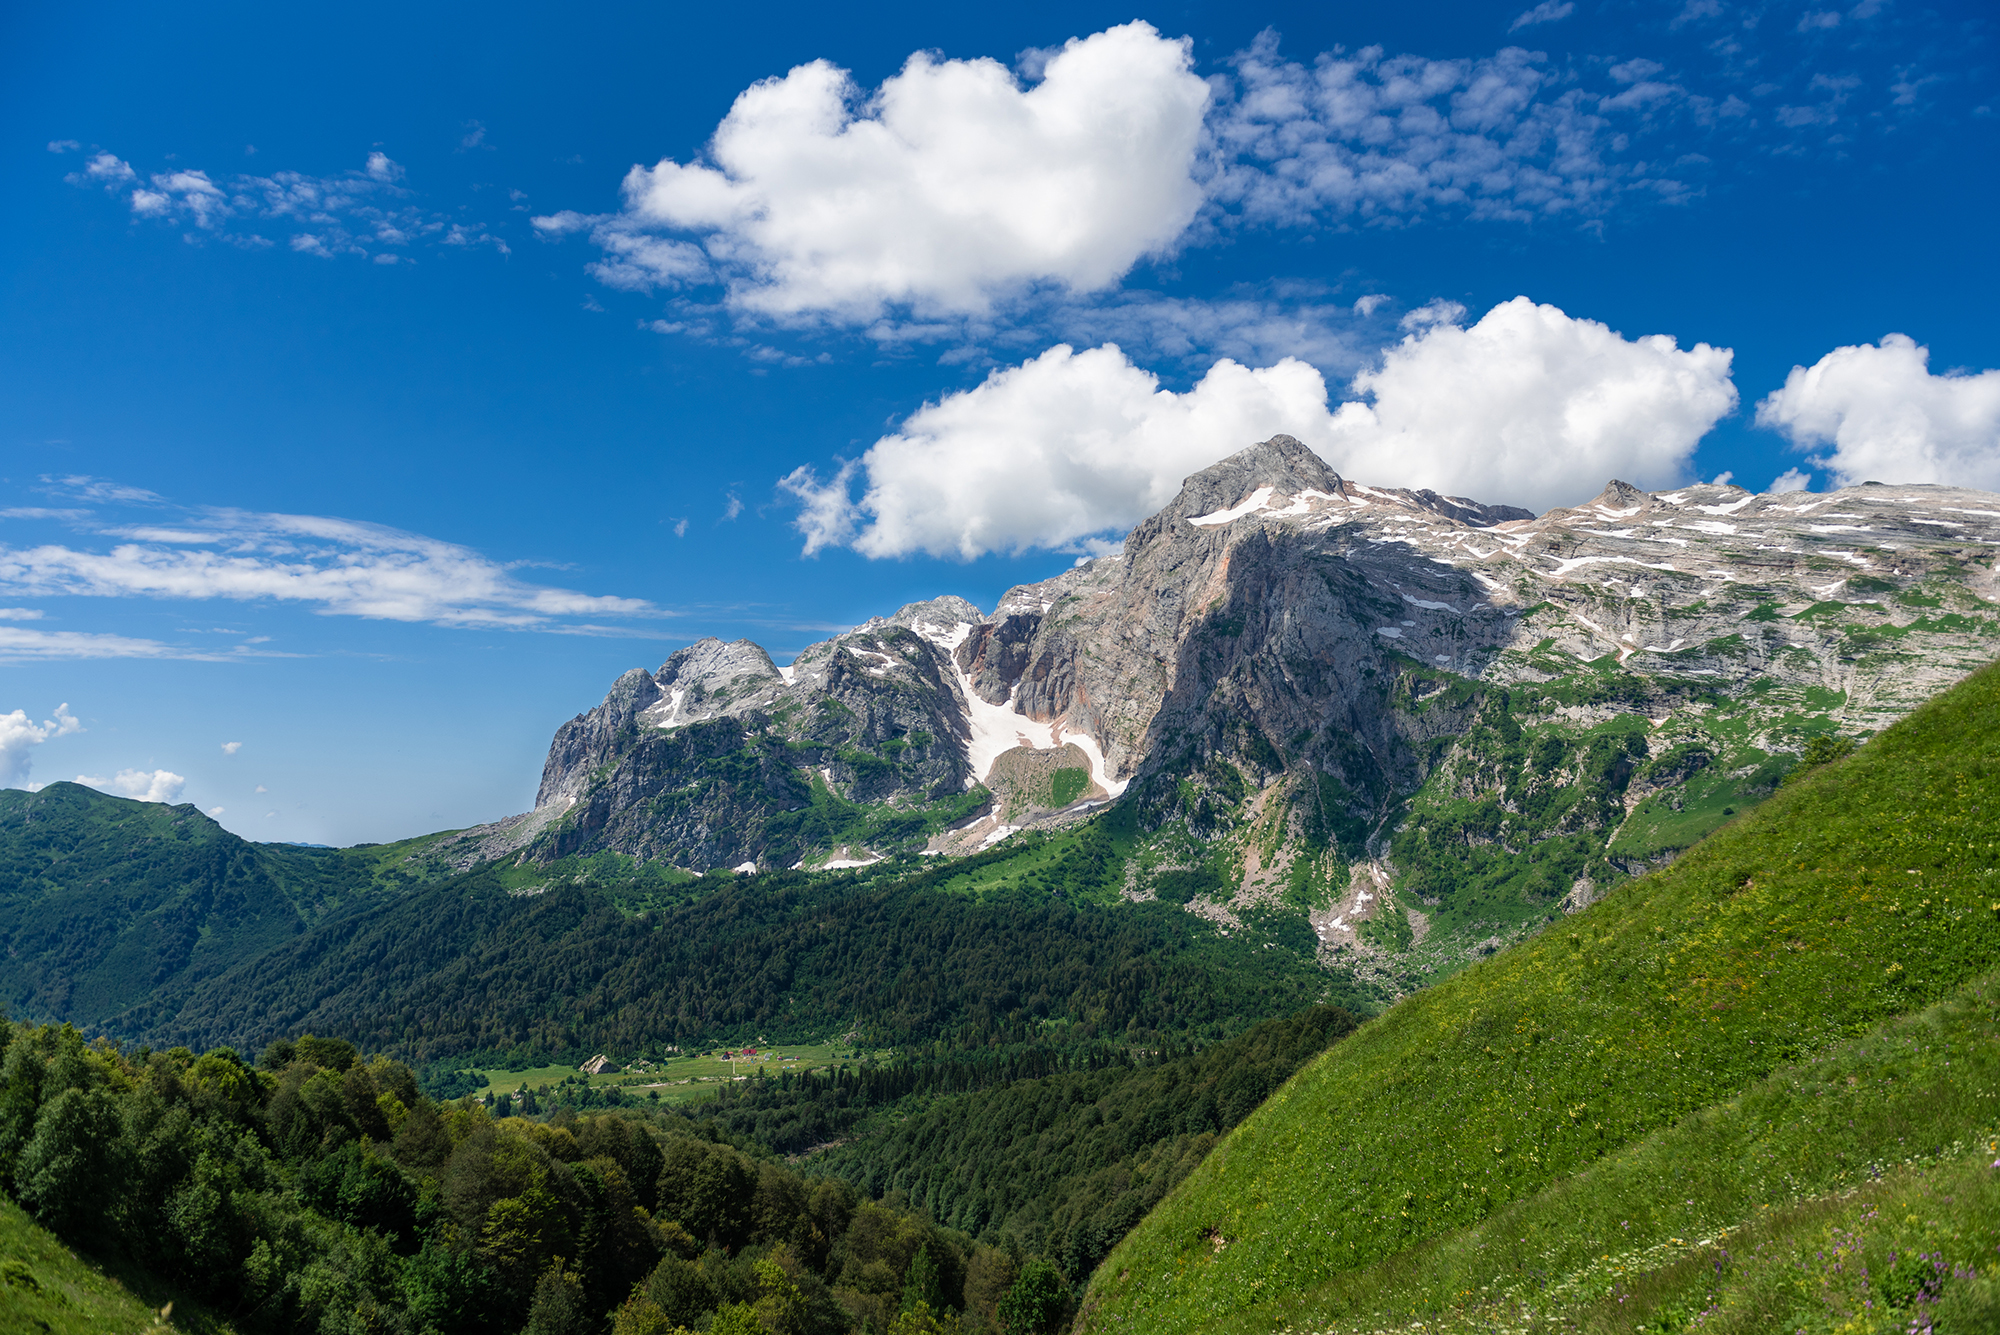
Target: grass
{"x": 1085, "y": 862}
{"x": 689, "y": 1074}
{"x": 46, "y": 1287}
{"x": 1897, "y": 1100}
{"x": 1708, "y": 801}
{"x": 1861, "y": 893}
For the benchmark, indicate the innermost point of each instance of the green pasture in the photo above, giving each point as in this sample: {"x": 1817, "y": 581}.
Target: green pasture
{"x": 681, "y": 1075}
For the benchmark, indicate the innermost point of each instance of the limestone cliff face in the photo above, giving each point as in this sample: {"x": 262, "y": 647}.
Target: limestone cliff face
{"x": 1347, "y": 639}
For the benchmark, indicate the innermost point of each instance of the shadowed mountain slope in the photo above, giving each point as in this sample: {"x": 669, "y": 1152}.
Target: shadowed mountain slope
{"x": 1422, "y": 726}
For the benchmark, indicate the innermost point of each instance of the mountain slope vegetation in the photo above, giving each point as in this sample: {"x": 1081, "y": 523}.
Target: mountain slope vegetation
{"x": 1788, "y": 945}
{"x": 465, "y": 966}
{"x": 108, "y": 900}
{"x": 1066, "y": 1164}
{"x": 320, "y": 1191}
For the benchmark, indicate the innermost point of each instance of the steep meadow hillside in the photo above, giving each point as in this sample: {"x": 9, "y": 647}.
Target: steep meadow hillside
{"x": 1768, "y": 1021}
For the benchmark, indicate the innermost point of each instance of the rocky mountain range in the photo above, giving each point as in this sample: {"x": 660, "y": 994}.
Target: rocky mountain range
{"x": 1392, "y": 710}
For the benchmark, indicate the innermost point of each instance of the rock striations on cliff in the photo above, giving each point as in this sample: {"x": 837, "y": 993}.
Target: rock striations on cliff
{"x": 1342, "y": 666}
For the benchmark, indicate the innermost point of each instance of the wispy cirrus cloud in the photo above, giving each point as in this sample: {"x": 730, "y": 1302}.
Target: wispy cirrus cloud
{"x": 367, "y": 212}
{"x": 336, "y": 567}
{"x": 1549, "y": 11}
{"x": 23, "y": 645}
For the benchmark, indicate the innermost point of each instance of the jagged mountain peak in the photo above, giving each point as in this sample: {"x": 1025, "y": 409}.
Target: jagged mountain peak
{"x": 1620, "y": 493}
{"x": 1281, "y": 476}
{"x": 942, "y": 613}
{"x": 1282, "y": 463}
{"x": 1265, "y": 617}
{"x": 711, "y": 660}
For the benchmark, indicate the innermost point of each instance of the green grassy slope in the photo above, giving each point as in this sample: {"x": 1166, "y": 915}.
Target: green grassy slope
{"x": 104, "y": 900}
{"x": 1861, "y": 893}
{"x": 44, "y": 1286}
{"x": 1632, "y": 1230}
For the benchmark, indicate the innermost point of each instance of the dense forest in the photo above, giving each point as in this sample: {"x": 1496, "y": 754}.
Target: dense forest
{"x": 1043, "y": 1152}
{"x": 465, "y": 968}
{"x": 1066, "y": 1164}
{"x": 318, "y": 1191}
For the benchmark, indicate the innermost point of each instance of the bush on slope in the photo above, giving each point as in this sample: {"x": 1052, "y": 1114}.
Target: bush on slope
{"x": 1860, "y": 893}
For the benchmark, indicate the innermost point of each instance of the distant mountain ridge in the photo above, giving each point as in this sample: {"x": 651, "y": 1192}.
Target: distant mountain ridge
{"x": 1284, "y": 650}
{"x": 110, "y": 901}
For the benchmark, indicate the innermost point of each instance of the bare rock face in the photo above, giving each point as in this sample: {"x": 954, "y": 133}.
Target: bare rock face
{"x": 714, "y": 760}
{"x": 1472, "y": 699}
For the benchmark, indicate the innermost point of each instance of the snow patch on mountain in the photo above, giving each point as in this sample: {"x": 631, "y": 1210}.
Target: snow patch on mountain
{"x": 1258, "y": 499}
{"x": 995, "y": 729}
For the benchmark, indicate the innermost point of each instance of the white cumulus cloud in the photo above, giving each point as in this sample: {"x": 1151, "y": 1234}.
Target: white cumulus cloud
{"x": 155, "y": 785}
{"x": 20, "y": 735}
{"x": 1049, "y": 452}
{"x": 1887, "y": 418}
{"x": 949, "y": 185}
{"x": 1529, "y": 406}
{"x": 231, "y": 748}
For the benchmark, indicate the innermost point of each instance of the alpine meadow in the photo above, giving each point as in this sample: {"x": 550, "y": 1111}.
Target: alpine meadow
{"x": 1319, "y": 670}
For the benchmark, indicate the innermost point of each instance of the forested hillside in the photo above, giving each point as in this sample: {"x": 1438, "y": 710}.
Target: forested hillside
{"x": 1733, "y": 1090}
{"x": 318, "y": 1191}
{"x": 466, "y": 967}
{"x": 108, "y": 901}
{"x": 321, "y": 1191}
{"x": 1065, "y": 1165}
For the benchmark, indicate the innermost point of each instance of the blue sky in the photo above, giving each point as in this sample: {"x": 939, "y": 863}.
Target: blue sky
{"x": 377, "y": 386}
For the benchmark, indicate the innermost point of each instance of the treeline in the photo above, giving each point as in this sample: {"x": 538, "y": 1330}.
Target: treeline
{"x": 317, "y": 1191}
{"x": 1066, "y": 1164}
{"x": 1040, "y": 1153}
{"x": 465, "y": 968}
{"x": 792, "y": 1113}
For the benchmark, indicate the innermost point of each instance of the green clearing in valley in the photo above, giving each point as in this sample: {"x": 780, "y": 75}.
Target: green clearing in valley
{"x": 679, "y": 1076}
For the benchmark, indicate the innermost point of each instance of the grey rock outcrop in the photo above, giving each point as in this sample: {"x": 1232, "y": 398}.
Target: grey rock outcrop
{"x": 1339, "y": 636}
